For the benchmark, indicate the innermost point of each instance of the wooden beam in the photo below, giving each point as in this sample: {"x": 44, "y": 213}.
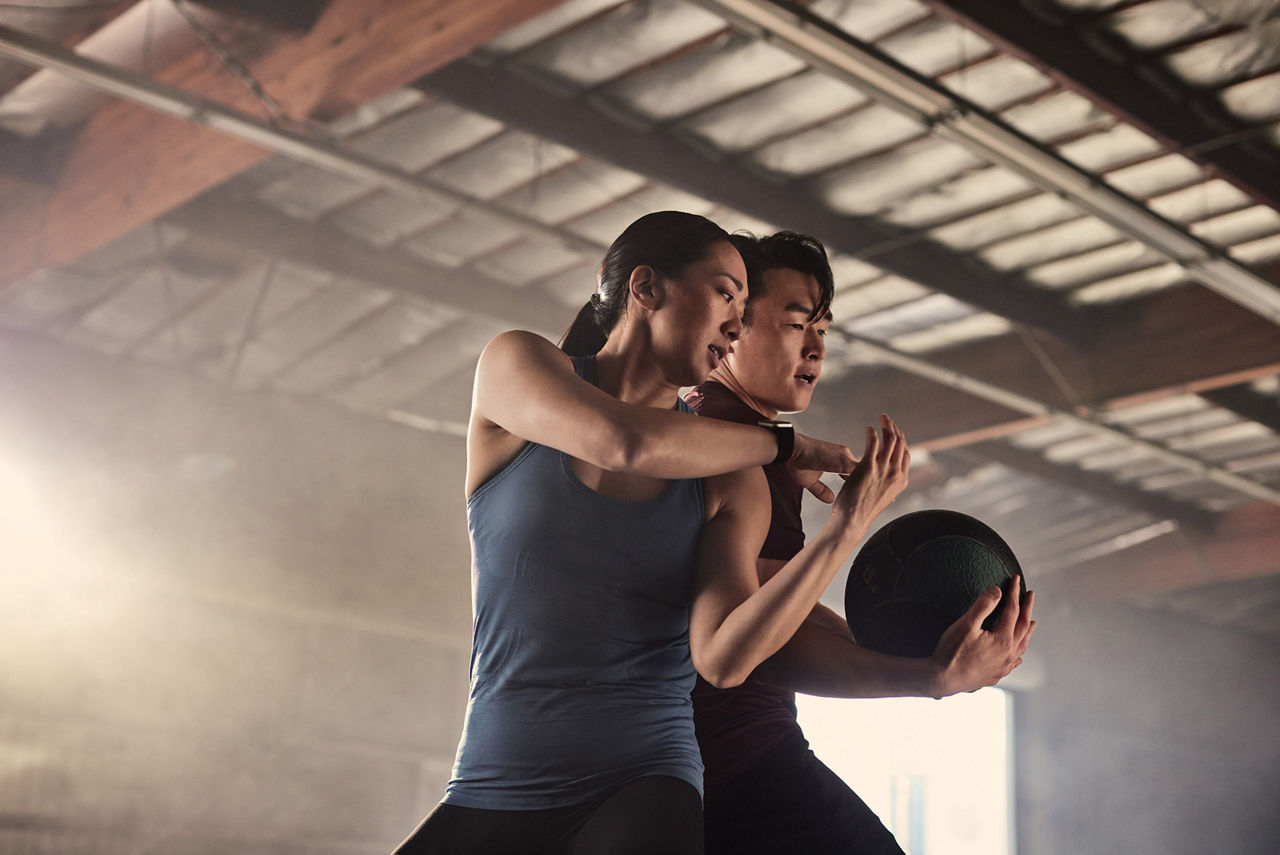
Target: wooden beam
{"x": 1184, "y": 340}
{"x": 1245, "y": 545}
{"x": 220, "y": 216}
{"x": 131, "y": 165}
{"x": 297, "y": 15}
{"x": 1094, "y": 484}
{"x": 1244, "y": 401}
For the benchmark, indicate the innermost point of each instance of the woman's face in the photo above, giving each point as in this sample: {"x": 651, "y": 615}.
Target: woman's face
{"x": 700, "y": 315}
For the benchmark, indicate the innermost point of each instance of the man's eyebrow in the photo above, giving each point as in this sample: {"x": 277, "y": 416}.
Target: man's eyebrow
{"x": 799, "y": 309}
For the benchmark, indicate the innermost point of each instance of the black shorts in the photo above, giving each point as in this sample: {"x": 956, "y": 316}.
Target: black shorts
{"x": 653, "y": 815}
{"x": 792, "y": 804}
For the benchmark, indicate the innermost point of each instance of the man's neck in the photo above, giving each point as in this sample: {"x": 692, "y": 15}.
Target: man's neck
{"x": 724, "y": 375}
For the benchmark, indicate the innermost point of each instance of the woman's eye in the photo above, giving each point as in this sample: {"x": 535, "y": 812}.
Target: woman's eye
{"x": 728, "y": 296}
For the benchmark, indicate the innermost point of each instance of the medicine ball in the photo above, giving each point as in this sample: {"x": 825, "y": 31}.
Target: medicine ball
{"x": 919, "y": 573}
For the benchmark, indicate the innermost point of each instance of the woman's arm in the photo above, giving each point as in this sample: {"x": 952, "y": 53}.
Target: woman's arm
{"x": 526, "y": 387}
{"x": 735, "y": 622}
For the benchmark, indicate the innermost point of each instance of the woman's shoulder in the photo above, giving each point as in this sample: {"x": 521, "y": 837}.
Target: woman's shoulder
{"x": 520, "y": 342}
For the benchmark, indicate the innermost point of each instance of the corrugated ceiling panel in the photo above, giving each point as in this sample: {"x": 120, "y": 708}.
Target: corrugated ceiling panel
{"x": 869, "y": 129}
{"x": 384, "y": 218}
{"x": 1162, "y": 22}
{"x": 1228, "y": 57}
{"x": 885, "y": 179}
{"x": 870, "y": 19}
{"x": 997, "y": 83}
{"x": 573, "y": 190}
{"x": 421, "y": 137}
{"x": 611, "y": 44}
{"x": 468, "y": 234}
{"x": 777, "y": 110}
{"x": 500, "y": 164}
{"x": 703, "y": 78}
{"x": 397, "y": 326}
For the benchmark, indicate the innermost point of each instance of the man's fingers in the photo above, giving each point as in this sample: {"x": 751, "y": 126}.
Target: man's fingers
{"x": 822, "y": 492}
{"x": 1028, "y": 603}
{"x": 983, "y": 606}
{"x": 1012, "y": 607}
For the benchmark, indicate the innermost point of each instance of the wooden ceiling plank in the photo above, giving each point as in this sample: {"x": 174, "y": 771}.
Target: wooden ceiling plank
{"x": 131, "y": 165}
{"x": 1244, "y": 545}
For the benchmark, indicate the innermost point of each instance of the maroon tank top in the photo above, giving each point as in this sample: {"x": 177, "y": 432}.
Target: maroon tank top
{"x": 739, "y": 727}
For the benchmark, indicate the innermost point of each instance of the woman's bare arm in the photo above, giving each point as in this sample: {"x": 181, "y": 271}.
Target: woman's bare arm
{"x": 735, "y": 622}
{"x": 526, "y": 389}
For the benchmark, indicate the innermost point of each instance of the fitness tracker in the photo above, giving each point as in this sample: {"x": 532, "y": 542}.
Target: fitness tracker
{"x": 785, "y": 434}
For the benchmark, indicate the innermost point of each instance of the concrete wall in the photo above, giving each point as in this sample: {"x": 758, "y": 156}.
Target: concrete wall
{"x": 229, "y": 622}
{"x": 1151, "y": 735}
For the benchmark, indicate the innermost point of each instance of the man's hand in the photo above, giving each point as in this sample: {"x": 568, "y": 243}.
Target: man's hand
{"x": 970, "y": 657}
{"x": 813, "y": 458}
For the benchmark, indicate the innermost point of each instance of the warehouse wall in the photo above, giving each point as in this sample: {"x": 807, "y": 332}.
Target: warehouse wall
{"x": 230, "y": 622}
{"x": 1150, "y": 734}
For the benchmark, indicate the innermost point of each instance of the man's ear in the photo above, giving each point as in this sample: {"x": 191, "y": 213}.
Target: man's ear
{"x": 645, "y": 287}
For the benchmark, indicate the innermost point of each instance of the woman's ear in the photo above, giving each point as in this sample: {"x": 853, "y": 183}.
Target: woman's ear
{"x": 645, "y": 287}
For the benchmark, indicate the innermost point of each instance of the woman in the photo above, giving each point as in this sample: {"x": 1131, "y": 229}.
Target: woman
{"x": 608, "y": 562}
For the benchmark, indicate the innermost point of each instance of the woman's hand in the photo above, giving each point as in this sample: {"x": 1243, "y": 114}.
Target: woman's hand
{"x": 879, "y": 478}
{"x": 970, "y": 657}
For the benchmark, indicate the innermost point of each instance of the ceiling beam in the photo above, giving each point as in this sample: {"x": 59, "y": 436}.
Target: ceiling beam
{"x": 1244, "y": 401}
{"x": 831, "y": 49}
{"x": 1098, "y": 65}
{"x": 1184, "y": 340}
{"x": 571, "y": 120}
{"x": 221, "y": 216}
{"x": 131, "y": 165}
{"x": 1154, "y": 504}
{"x": 1244, "y": 545}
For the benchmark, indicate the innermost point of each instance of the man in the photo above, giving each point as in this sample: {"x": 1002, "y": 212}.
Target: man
{"x": 766, "y": 792}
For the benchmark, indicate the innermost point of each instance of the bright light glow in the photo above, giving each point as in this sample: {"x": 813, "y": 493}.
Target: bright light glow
{"x": 936, "y": 772}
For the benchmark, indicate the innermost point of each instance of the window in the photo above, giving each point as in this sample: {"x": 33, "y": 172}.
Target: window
{"x": 938, "y": 773}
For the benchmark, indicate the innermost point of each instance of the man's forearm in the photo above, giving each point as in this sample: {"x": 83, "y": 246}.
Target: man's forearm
{"x": 821, "y": 660}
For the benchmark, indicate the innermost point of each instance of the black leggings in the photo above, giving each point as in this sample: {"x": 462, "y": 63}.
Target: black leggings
{"x": 653, "y": 815}
{"x": 792, "y": 804}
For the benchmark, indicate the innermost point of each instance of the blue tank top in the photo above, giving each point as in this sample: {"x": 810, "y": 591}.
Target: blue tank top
{"x": 580, "y": 666}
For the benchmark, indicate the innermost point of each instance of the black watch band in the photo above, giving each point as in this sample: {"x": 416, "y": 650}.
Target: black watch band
{"x": 785, "y": 434}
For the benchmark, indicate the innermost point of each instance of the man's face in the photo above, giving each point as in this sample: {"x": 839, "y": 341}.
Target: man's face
{"x": 779, "y": 356}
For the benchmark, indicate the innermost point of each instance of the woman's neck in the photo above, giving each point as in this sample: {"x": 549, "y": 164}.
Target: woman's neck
{"x": 627, "y": 369}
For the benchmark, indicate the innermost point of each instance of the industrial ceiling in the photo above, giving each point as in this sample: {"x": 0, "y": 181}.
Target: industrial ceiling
{"x": 1055, "y": 225}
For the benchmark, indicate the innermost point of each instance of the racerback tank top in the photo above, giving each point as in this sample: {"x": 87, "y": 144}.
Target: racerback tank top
{"x": 580, "y": 666}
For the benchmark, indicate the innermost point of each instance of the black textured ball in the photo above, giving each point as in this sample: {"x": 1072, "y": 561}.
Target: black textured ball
{"x": 919, "y": 573}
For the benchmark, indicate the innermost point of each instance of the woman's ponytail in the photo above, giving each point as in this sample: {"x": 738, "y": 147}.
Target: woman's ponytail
{"x": 586, "y": 335}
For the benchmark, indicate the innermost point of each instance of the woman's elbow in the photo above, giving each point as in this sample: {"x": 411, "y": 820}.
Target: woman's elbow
{"x": 626, "y": 448}
{"x": 722, "y": 675}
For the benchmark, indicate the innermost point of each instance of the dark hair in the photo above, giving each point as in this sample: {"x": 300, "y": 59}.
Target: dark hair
{"x": 786, "y": 251}
{"x": 667, "y": 241}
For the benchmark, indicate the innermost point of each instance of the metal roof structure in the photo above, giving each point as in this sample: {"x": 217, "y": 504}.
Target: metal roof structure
{"x": 1055, "y": 227}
